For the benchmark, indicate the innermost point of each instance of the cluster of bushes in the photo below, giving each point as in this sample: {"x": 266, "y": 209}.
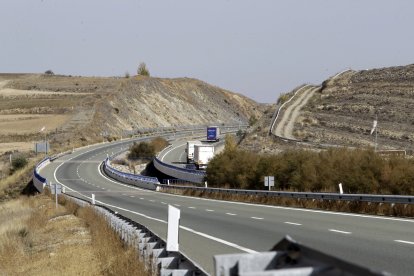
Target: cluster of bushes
{"x": 360, "y": 171}
{"x": 147, "y": 150}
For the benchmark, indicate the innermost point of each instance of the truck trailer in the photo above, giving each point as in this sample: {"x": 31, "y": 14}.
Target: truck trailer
{"x": 190, "y": 150}
{"x": 202, "y": 155}
{"x": 213, "y": 133}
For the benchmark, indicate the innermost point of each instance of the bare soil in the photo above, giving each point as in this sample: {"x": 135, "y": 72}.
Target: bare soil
{"x": 80, "y": 110}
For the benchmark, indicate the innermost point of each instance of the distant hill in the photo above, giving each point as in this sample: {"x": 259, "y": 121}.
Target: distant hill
{"x": 342, "y": 112}
{"x": 81, "y": 108}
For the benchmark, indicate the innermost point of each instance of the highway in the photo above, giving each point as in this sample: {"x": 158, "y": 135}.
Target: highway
{"x": 210, "y": 227}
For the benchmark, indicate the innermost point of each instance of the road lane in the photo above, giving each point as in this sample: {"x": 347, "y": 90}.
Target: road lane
{"x": 372, "y": 242}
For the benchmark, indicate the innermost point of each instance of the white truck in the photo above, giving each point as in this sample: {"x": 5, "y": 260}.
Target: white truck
{"x": 202, "y": 155}
{"x": 190, "y": 150}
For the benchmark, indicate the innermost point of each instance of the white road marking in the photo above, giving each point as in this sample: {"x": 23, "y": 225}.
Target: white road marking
{"x": 191, "y": 207}
{"x": 163, "y": 203}
{"x": 255, "y": 205}
{"x": 339, "y": 231}
{"x": 231, "y": 214}
{"x": 178, "y": 205}
{"x": 209, "y": 210}
{"x": 141, "y": 198}
{"x": 152, "y": 200}
{"x": 131, "y": 196}
{"x": 406, "y": 242}
{"x": 292, "y": 223}
{"x": 256, "y": 218}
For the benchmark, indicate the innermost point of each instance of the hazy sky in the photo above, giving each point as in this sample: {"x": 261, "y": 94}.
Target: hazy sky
{"x": 257, "y": 48}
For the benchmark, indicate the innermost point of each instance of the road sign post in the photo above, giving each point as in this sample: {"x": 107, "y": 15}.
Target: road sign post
{"x": 269, "y": 181}
{"x": 56, "y": 189}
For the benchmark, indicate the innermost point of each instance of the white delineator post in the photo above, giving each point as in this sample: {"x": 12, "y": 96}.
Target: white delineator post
{"x": 93, "y": 199}
{"x": 341, "y": 191}
{"x": 173, "y": 227}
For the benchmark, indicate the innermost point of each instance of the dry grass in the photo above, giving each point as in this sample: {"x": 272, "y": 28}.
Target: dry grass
{"x": 38, "y": 239}
{"x": 397, "y": 210}
{"x": 22, "y": 124}
{"x": 12, "y": 186}
{"x": 20, "y": 146}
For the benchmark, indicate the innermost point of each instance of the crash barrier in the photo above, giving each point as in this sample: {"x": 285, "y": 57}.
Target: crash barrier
{"x": 287, "y": 257}
{"x": 194, "y": 176}
{"x": 143, "y": 131}
{"x": 145, "y": 182}
{"x": 151, "y": 247}
{"x": 38, "y": 180}
{"x": 393, "y": 199}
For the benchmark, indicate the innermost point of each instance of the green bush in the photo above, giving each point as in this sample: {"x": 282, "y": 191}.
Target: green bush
{"x": 19, "y": 162}
{"x": 141, "y": 150}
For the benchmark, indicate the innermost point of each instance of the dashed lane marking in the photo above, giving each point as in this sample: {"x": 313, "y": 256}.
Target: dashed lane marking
{"x": 292, "y": 223}
{"x": 257, "y": 218}
{"x": 231, "y": 214}
{"x": 209, "y": 210}
{"x": 340, "y": 231}
{"x": 406, "y": 242}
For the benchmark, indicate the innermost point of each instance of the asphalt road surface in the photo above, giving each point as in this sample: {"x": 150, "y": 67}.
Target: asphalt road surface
{"x": 210, "y": 227}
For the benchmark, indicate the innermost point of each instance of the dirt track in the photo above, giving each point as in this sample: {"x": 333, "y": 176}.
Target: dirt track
{"x": 287, "y": 122}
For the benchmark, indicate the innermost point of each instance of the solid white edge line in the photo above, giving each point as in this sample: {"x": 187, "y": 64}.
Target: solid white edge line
{"x": 160, "y": 220}
{"x": 340, "y": 231}
{"x": 406, "y": 242}
{"x": 292, "y": 223}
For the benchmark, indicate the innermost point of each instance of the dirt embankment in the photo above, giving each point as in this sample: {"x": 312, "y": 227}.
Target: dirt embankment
{"x": 343, "y": 111}
{"x": 84, "y": 107}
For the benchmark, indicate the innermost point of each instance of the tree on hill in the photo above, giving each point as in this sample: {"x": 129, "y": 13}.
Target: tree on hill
{"x": 143, "y": 70}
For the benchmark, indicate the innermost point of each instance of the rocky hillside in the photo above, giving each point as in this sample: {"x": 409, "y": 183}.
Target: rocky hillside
{"x": 342, "y": 112}
{"x": 81, "y": 108}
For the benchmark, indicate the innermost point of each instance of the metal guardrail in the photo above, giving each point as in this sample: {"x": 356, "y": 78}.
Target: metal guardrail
{"x": 146, "y": 182}
{"x": 149, "y": 245}
{"x": 393, "y": 199}
{"x": 38, "y": 180}
{"x": 194, "y": 176}
{"x": 288, "y": 257}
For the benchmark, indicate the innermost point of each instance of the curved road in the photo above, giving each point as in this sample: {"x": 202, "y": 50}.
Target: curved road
{"x": 210, "y": 227}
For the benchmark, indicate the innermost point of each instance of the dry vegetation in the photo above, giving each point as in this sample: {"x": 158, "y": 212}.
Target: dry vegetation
{"x": 342, "y": 112}
{"x": 360, "y": 171}
{"x": 37, "y": 239}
